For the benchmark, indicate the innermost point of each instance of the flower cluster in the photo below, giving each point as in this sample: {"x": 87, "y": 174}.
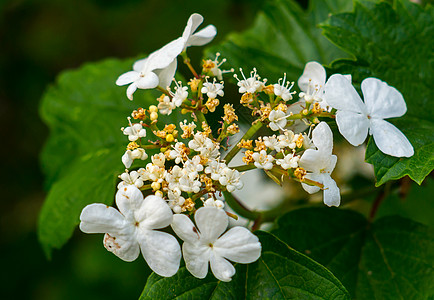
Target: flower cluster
{"x": 176, "y": 172}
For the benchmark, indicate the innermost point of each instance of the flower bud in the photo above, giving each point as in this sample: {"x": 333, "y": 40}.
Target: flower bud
{"x": 154, "y": 116}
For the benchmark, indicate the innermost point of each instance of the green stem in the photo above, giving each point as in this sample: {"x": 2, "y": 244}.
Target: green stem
{"x": 244, "y": 168}
{"x": 239, "y": 208}
{"x": 187, "y": 62}
{"x": 252, "y": 130}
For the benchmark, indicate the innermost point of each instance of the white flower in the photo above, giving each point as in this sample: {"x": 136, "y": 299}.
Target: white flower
{"x": 312, "y": 82}
{"x": 231, "y": 179}
{"x": 320, "y": 163}
{"x": 178, "y": 153}
{"x": 130, "y": 155}
{"x": 206, "y": 244}
{"x": 175, "y": 200}
{"x": 288, "y": 161}
{"x": 157, "y": 69}
{"x": 283, "y": 89}
{"x": 199, "y": 38}
{"x": 213, "y": 89}
{"x": 132, "y": 229}
{"x": 287, "y": 139}
{"x": 165, "y": 105}
{"x": 132, "y": 178}
{"x": 134, "y": 131}
{"x": 215, "y": 169}
{"x": 272, "y": 143}
{"x": 189, "y": 184}
{"x": 251, "y": 84}
{"x": 210, "y": 202}
{"x": 262, "y": 160}
{"x": 355, "y": 117}
{"x": 158, "y": 159}
{"x": 277, "y": 119}
{"x": 216, "y": 71}
{"x": 180, "y": 94}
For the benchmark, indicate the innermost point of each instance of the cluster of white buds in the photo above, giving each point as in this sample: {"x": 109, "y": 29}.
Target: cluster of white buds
{"x": 188, "y": 163}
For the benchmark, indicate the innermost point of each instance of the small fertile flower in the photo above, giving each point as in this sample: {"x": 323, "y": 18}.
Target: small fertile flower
{"x": 130, "y": 155}
{"x": 205, "y": 243}
{"x": 263, "y": 160}
{"x": 230, "y": 178}
{"x": 213, "y": 67}
{"x": 180, "y": 94}
{"x": 311, "y": 82}
{"x": 165, "y": 105}
{"x": 211, "y": 202}
{"x": 320, "y": 164}
{"x": 157, "y": 69}
{"x": 288, "y": 161}
{"x": 250, "y": 85}
{"x": 134, "y": 131}
{"x": 132, "y": 229}
{"x": 282, "y": 89}
{"x": 356, "y": 118}
{"x": 212, "y": 90}
{"x": 199, "y": 38}
{"x": 132, "y": 178}
{"x": 277, "y": 120}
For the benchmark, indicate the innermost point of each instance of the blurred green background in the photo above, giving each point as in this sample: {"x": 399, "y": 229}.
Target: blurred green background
{"x": 39, "y": 39}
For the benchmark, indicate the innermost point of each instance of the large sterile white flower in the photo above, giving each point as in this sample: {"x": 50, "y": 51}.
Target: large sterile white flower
{"x": 132, "y": 229}
{"x": 157, "y": 69}
{"x": 356, "y": 118}
{"x": 206, "y": 244}
{"x": 320, "y": 164}
{"x": 199, "y": 38}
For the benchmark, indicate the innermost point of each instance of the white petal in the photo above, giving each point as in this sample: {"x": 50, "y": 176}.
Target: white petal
{"x": 123, "y": 246}
{"x": 322, "y": 137}
{"x": 185, "y": 229}
{"x": 382, "y": 101}
{"x": 196, "y": 258}
{"x": 352, "y": 126}
{"x": 332, "y": 164}
{"x": 166, "y": 75}
{"x": 149, "y": 81}
{"x": 154, "y": 213}
{"x": 340, "y": 94}
{"x": 193, "y": 22}
{"x": 202, "y": 37}
{"x": 310, "y": 160}
{"x": 314, "y": 73}
{"x": 390, "y": 140}
{"x": 238, "y": 245}
{"x": 312, "y": 189}
{"x": 164, "y": 56}
{"x": 139, "y": 65}
{"x": 127, "y": 78}
{"x": 211, "y": 222}
{"x": 130, "y": 90}
{"x": 100, "y": 218}
{"x": 161, "y": 251}
{"x": 332, "y": 196}
{"x": 129, "y": 199}
{"x": 221, "y": 268}
{"x": 127, "y": 159}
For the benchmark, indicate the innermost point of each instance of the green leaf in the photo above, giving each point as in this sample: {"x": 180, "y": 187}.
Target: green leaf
{"x": 391, "y": 258}
{"x": 82, "y": 157}
{"x": 283, "y": 38}
{"x": 395, "y": 44}
{"x": 280, "y": 273}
